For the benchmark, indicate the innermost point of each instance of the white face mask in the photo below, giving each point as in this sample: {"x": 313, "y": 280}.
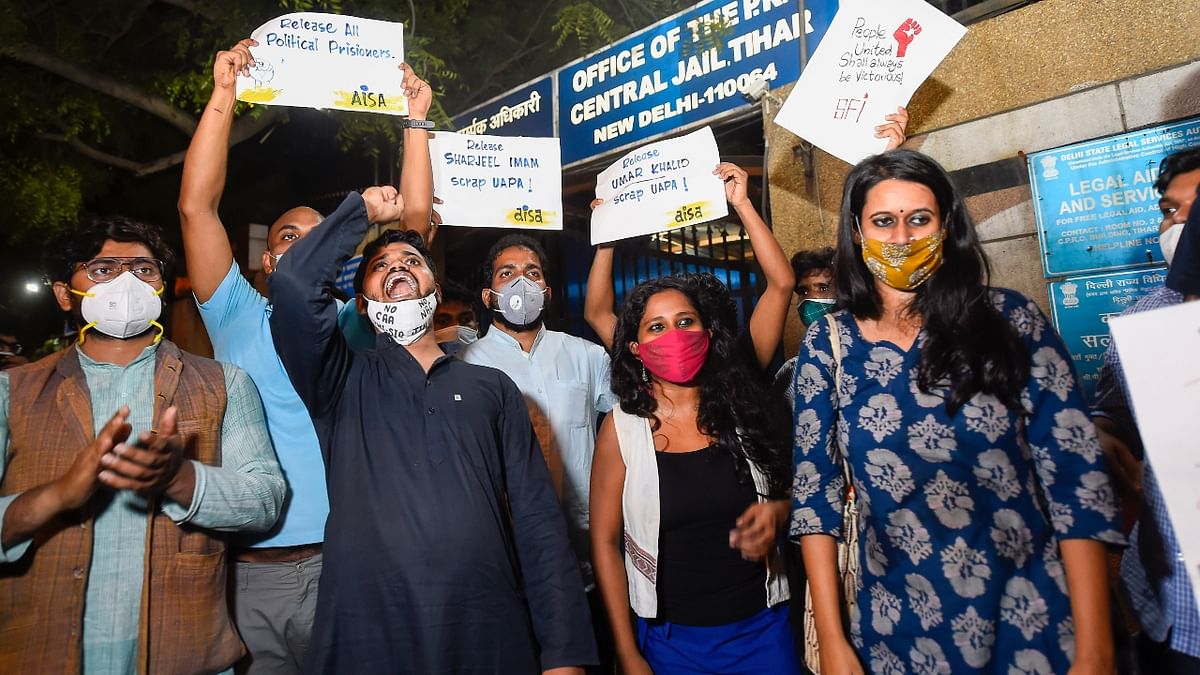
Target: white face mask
{"x": 405, "y": 321}
{"x": 121, "y": 308}
{"x": 1168, "y": 240}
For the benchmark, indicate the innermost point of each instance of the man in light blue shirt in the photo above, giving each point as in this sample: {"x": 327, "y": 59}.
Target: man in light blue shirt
{"x": 564, "y": 380}
{"x": 277, "y": 574}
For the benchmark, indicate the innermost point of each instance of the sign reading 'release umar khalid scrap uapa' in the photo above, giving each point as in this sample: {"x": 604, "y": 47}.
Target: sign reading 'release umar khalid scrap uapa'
{"x": 1096, "y": 205}
{"x": 1082, "y": 307}
{"x": 313, "y": 60}
{"x": 677, "y": 74}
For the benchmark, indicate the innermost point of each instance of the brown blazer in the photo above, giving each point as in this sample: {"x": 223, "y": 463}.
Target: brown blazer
{"x": 184, "y": 623}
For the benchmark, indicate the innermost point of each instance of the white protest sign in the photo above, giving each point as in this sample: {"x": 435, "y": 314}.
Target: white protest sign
{"x": 313, "y": 60}
{"x": 497, "y": 181}
{"x": 871, "y": 60}
{"x": 659, "y": 187}
{"x": 1158, "y": 353}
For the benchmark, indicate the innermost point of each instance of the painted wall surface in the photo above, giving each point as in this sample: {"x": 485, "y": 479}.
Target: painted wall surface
{"x": 1049, "y": 74}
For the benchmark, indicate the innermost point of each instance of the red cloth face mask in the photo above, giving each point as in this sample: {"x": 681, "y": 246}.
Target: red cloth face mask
{"x": 677, "y": 356}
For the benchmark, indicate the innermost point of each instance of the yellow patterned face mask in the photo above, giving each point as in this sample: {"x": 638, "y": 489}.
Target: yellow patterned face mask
{"x": 903, "y": 266}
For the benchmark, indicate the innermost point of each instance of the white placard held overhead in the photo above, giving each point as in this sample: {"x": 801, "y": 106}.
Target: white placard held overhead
{"x": 314, "y": 60}
{"x": 871, "y": 60}
{"x": 660, "y": 187}
{"x": 498, "y": 181}
{"x": 1158, "y": 353}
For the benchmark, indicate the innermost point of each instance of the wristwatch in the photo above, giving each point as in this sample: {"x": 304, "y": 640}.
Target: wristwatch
{"x": 418, "y": 124}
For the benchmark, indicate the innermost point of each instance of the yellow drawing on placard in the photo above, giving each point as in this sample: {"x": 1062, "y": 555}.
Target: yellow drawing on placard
{"x": 687, "y": 214}
{"x": 366, "y": 100}
{"x": 259, "y": 95}
{"x": 525, "y": 216}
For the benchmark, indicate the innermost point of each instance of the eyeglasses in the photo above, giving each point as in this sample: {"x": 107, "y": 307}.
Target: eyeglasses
{"x": 102, "y": 270}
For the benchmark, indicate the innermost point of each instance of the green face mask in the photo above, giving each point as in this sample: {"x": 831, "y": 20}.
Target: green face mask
{"x": 814, "y": 308}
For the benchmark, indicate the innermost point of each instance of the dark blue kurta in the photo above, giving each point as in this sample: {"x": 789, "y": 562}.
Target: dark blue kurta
{"x": 445, "y": 549}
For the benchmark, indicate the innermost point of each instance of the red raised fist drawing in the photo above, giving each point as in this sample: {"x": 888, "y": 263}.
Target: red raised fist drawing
{"x": 904, "y": 35}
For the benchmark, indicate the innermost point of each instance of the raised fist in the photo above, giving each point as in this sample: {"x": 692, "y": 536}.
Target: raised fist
{"x": 904, "y": 35}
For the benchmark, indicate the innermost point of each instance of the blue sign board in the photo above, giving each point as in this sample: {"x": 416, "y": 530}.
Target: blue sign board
{"x": 818, "y": 14}
{"x": 345, "y": 278}
{"x": 682, "y": 72}
{"x": 1082, "y": 307}
{"x": 1096, "y": 205}
{"x": 527, "y": 110}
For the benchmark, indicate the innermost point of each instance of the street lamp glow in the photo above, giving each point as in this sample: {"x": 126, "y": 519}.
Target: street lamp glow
{"x": 32, "y": 287}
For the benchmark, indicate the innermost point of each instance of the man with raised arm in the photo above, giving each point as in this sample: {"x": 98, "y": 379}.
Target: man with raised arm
{"x": 446, "y": 549}
{"x": 278, "y": 573}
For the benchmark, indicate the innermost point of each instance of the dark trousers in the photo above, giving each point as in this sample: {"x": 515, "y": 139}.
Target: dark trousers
{"x": 1157, "y": 658}
{"x": 604, "y": 637}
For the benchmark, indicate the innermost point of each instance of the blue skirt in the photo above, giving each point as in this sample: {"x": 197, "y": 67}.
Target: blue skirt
{"x": 757, "y": 645}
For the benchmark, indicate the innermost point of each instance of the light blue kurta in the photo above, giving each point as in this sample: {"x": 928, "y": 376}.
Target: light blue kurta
{"x": 246, "y": 492}
{"x": 564, "y": 380}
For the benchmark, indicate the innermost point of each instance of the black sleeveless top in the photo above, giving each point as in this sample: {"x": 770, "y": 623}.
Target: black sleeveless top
{"x": 701, "y": 580}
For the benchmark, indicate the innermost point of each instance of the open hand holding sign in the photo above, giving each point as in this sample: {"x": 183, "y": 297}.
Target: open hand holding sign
{"x": 905, "y": 34}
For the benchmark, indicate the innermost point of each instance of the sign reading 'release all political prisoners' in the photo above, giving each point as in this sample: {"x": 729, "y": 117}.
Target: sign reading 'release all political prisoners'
{"x": 660, "y": 187}
{"x": 313, "y": 60}
{"x": 1164, "y": 383}
{"x": 1095, "y": 202}
{"x": 870, "y": 61}
{"x": 497, "y": 181}
{"x": 1082, "y": 307}
{"x": 684, "y": 71}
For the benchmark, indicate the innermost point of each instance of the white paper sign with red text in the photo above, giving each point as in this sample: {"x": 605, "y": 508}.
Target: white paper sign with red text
{"x": 872, "y": 59}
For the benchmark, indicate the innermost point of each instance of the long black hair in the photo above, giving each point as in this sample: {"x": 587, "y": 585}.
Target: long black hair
{"x": 968, "y": 345}
{"x": 734, "y": 407}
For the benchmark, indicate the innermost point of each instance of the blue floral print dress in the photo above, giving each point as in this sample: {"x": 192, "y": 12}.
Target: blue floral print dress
{"x": 960, "y": 517}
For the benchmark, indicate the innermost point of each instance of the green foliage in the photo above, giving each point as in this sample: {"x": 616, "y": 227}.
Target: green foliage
{"x": 42, "y": 197}
{"x": 584, "y": 22}
{"x": 468, "y": 50}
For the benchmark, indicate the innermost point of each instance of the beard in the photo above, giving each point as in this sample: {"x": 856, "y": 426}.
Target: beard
{"x": 516, "y": 328}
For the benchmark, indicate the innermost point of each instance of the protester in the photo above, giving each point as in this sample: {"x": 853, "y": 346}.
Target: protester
{"x": 1153, "y": 574}
{"x": 278, "y": 572}
{"x": 10, "y": 351}
{"x": 455, "y": 309}
{"x": 814, "y": 288}
{"x": 690, "y": 482}
{"x": 564, "y": 380}
{"x": 1185, "y": 277}
{"x": 984, "y": 506}
{"x": 446, "y": 550}
{"x": 766, "y": 321}
{"x": 696, "y": 614}
{"x": 124, "y": 459}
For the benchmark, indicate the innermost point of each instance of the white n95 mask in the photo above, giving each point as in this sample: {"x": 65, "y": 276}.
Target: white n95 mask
{"x": 121, "y": 308}
{"x": 1169, "y": 240}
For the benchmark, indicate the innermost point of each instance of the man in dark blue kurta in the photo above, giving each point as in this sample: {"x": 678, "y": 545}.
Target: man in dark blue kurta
{"x": 445, "y": 549}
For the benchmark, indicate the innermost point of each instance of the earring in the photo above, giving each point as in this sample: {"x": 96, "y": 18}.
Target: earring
{"x": 645, "y": 375}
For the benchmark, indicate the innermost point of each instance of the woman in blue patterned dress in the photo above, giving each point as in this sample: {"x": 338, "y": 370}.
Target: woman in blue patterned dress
{"x": 984, "y": 505}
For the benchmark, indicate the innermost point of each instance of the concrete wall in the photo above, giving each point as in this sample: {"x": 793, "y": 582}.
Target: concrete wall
{"x": 1049, "y": 74}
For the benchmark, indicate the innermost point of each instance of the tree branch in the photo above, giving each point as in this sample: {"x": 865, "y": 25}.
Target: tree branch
{"x": 518, "y": 52}
{"x": 243, "y": 129}
{"x": 197, "y": 7}
{"x": 127, "y": 93}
